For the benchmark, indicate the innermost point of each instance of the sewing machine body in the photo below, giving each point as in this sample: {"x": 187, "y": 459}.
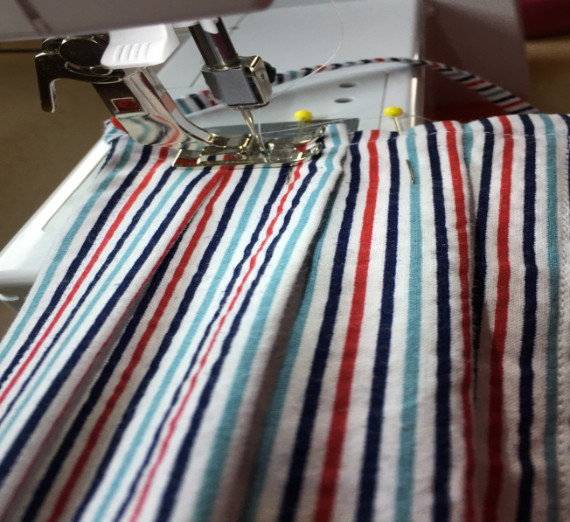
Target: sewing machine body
{"x": 289, "y": 37}
{"x": 26, "y": 20}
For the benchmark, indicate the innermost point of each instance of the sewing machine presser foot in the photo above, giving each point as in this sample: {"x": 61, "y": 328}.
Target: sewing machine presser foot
{"x": 245, "y": 150}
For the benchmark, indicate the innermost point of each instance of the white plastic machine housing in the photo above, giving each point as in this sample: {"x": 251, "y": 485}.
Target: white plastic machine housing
{"x": 30, "y": 19}
{"x": 289, "y": 37}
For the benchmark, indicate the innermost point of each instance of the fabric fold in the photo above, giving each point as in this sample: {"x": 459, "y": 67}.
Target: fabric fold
{"x": 157, "y": 298}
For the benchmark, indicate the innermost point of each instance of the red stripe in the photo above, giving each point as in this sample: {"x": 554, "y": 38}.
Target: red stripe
{"x": 137, "y": 354}
{"x": 495, "y": 472}
{"x": 463, "y": 244}
{"x": 109, "y": 234}
{"x": 118, "y": 125}
{"x": 72, "y": 396}
{"x": 176, "y": 418}
{"x": 208, "y": 95}
{"x": 337, "y": 427}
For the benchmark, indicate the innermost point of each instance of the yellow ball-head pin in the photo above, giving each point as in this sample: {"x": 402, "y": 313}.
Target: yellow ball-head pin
{"x": 395, "y": 113}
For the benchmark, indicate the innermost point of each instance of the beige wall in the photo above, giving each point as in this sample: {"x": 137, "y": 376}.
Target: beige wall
{"x": 37, "y": 150}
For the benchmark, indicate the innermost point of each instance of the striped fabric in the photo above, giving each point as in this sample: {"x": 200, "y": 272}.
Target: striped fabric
{"x": 324, "y": 342}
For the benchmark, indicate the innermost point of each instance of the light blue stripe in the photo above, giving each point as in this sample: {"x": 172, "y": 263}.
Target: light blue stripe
{"x": 48, "y": 277}
{"x": 282, "y": 385}
{"x": 408, "y": 428}
{"x": 166, "y": 383}
{"x": 184, "y": 106}
{"x": 64, "y": 346}
{"x": 550, "y": 453}
{"x": 495, "y": 93}
{"x": 220, "y": 447}
{"x": 468, "y": 144}
{"x": 455, "y": 74}
{"x": 112, "y": 133}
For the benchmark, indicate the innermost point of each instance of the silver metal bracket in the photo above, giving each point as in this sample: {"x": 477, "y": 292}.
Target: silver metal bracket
{"x": 244, "y": 86}
{"x": 135, "y": 97}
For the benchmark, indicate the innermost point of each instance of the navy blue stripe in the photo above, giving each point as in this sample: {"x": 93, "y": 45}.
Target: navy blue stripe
{"x": 184, "y": 453}
{"x": 113, "y": 146}
{"x": 486, "y": 88}
{"x": 118, "y": 351}
{"x": 504, "y": 98}
{"x": 52, "y": 392}
{"x": 95, "y": 393}
{"x": 76, "y": 263}
{"x": 465, "y": 78}
{"x": 281, "y": 180}
{"x": 155, "y": 363}
{"x": 529, "y": 325}
{"x": 480, "y": 258}
{"x": 198, "y": 101}
{"x": 369, "y": 471}
{"x": 313, "y": 391}
{"x": 443, "y": 410}
{"x": 95, "y": 280}
{"x": 356, "y": 138}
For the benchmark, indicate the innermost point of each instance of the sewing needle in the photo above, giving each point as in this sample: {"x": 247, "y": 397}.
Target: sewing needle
{"x": 248, "y": 117}
{"x": 395, "y": 113}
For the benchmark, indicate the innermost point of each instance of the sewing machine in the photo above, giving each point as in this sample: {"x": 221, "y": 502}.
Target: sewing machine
{"x": 288, "y": 35}
{"x": 118, "y": 63}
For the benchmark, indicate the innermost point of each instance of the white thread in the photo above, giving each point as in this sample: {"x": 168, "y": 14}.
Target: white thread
{"x": 329, "y": 60}
{"x": 331, "y": 57}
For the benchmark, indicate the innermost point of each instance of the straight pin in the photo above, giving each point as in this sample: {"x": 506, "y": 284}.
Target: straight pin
{"x": 302, "y": 117}
{"x": 395, "y": 113}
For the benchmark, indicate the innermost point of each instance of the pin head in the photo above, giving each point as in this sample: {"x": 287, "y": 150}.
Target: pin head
{"x": 393, "y": 112}
{"x": 303, "y": 116}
